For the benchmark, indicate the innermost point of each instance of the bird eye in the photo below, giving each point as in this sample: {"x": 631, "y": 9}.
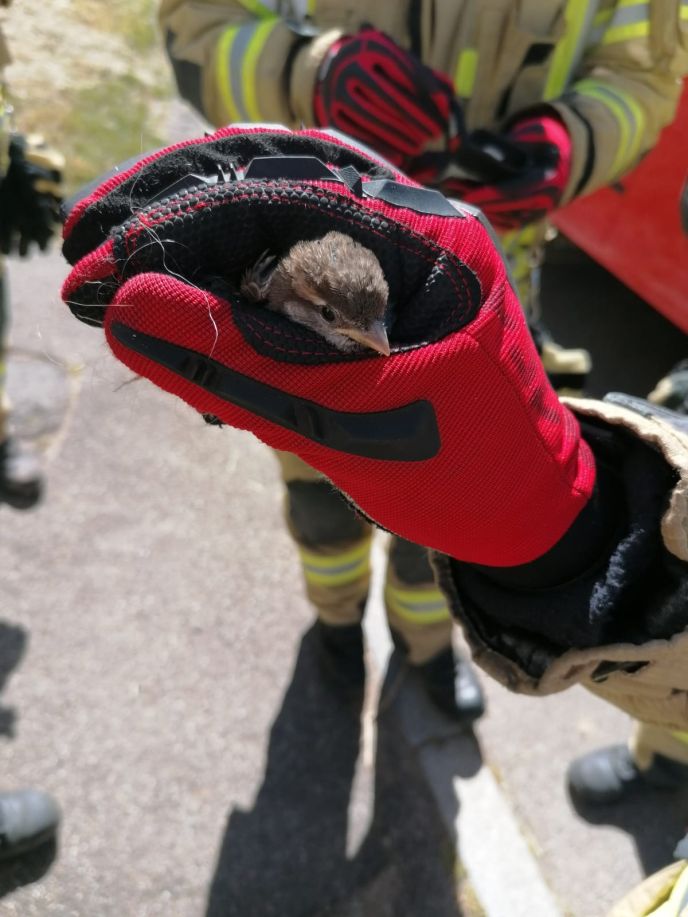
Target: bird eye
{"x": 327, "y": 314}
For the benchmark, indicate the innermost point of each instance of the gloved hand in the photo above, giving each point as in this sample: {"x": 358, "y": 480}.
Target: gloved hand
{"x": 30, "y": 195}
{"x": 532, "y": 162}
{"x": 455, "y": 441}
{"x": 382, "y": 95}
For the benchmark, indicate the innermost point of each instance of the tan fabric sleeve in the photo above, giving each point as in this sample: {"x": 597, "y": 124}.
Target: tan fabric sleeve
{"x": 624, "y": 93}
{"x": 645, "y": 898}
{"x": 304, "y": 73}
{"x": 239, "y": 53}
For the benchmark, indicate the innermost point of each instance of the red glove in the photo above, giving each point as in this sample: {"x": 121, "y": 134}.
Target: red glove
{"x": 374, "y": 91}
{"x": 455, "y": 441}
{"x": 535, "y": 156}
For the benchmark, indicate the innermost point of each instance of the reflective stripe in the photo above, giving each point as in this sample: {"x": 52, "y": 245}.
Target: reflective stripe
{"x": 684, "y": 9}
{"x": 677, "y": 901}
{"x": 629, "y": 116}
{"x": 681, "y": 736}
{"x": 631, "y": 19}
{"x": 579, "y": 16}
{"x": 294, "y": 9}
{"x": 421, "y": 606}
{"x": 336, "y": 569}
{"x": 599, "y": 26}
{"x": 466, "y": 68}
{"x": 257, "y": 8}
{"x": 238, "y": 52}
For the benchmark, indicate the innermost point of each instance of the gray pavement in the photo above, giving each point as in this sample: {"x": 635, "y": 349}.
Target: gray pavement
{"x": 158, "y": 677}
{"x": 162, "y": 686}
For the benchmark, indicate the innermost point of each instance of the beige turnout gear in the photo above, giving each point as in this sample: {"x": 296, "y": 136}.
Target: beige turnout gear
{"x": 611, "y": 68}
{"x": 663, "y": 894}
{"x": 336, "y": 568}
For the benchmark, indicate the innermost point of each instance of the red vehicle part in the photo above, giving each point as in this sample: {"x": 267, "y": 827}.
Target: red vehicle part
{"x": 638, "y": 229}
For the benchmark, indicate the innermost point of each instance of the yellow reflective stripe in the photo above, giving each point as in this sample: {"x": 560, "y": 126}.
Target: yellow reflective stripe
{"x": 631, "y": 19}
{"x": 681, "y": 736}
{"x": 578, "y": 15}
{"x": 684, "y": 10}
{"x": 599, "y": 24}
{"x": 466, "y": 68}
{"x": 626, "y": 32}
{"x": 310, "y": 9}
{"x": 257, "y": 8}
{"x": 253, "y": 52}
{"x": 421, "y": 606}
{"x": 677, "y": 901}
{"x": 237, "y": 55}
{"x": 336, "y": 569}
{"x": 629, "y": 116}
{"x": 602, "y": 18}
{"x": 222, "y": 72}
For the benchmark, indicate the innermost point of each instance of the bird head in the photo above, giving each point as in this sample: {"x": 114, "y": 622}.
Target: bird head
{"x": 336, "y": 287}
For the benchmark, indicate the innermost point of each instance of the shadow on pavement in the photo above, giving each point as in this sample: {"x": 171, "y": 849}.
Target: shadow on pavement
{"x": 13, "y": 641}
{"x": 655, "y": 819}
{"x": 31, "y": 866}
{"x": 287, "y": 856}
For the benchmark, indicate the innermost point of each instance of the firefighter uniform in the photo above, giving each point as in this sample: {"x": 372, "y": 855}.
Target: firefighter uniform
{"x": 334, "y": 544}
{"x": 610, "y": 68}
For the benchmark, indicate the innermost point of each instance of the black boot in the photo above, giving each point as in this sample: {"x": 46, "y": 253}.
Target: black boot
{"x": 610, "y": 775}
{"x": 21, "y": 484}
{"x": 28, "y": 818}
{"x": 341, "y": 658}
{"x": 453, "y": 686}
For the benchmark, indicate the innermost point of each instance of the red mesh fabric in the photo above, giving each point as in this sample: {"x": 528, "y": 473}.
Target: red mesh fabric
{"x": 530, "y": 196}
{"x": 512, "y": 472}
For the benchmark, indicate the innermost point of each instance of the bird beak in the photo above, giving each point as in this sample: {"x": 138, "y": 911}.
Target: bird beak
{"x": 374, "y": 337}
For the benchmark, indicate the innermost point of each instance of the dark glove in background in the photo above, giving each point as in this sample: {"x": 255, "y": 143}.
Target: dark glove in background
{"x": 30, "y": 195}
{"x": 384, "y": 96}
{"x": 534, "y": 156}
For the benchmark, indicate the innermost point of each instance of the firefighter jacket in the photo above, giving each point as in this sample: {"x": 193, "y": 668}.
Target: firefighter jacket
{"x": 611, "y": 68}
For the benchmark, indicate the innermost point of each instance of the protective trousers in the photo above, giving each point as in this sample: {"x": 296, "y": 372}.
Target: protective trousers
{"x": 648, "y": 740}
{"x": 334, "y": 544}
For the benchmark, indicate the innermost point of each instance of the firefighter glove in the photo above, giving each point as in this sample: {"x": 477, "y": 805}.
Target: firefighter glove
{"x": 518, "y": 177}
{"x": 385, "y": 97}
{"x": 455, "y": 441}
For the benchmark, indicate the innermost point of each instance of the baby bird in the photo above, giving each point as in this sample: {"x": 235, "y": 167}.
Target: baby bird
{"x": 333, "y": 285}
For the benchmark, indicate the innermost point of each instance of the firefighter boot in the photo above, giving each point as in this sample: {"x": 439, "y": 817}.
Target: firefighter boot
{"x": 609, "y": 775}
{"x": 28, "y": 818}
{"x": 453, "y": 687}
{"x": 21, "y": 484}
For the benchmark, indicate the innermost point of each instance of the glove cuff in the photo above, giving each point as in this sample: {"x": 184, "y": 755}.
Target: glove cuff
{"x": 304, "y": 75}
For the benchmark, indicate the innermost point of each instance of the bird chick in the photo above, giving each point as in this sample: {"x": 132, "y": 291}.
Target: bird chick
{"x": 333, "y": 285}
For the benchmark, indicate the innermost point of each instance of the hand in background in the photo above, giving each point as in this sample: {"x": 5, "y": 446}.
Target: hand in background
{"x": 30, "y": 195}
